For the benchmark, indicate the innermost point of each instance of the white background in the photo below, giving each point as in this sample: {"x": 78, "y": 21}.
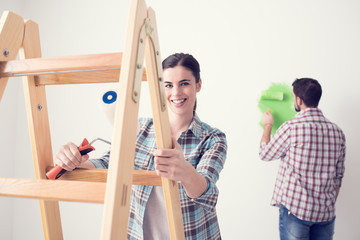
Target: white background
{"x": 242, "y": 46}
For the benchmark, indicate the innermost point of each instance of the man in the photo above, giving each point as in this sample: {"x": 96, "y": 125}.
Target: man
{"x": 311, "y": 150}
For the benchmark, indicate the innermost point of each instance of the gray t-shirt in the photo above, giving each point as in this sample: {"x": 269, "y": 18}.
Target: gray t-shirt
{"x": 155, "y": 224}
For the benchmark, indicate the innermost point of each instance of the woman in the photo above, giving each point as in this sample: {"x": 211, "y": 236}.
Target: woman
{"x": 195, "y": 162}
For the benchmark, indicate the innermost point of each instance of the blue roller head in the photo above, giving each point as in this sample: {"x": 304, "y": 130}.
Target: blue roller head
{"x": 109, "y": 97}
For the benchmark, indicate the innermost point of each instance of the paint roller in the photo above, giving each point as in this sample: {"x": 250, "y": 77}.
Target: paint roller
{"x": 107, "y": 103}
{"x": 271, "y": 95}
{"x": 268, "y": 108}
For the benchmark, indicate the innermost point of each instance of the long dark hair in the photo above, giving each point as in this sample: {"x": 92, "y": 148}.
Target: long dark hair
{"x": 185, "y": 60}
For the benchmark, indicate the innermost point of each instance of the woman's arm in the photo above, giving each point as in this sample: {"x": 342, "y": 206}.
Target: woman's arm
{"x": 171, "y": 163}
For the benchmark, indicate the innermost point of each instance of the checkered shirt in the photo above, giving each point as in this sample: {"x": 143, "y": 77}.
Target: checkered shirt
{"x": 312, "y": 153}
{"x": 205, "y": 148}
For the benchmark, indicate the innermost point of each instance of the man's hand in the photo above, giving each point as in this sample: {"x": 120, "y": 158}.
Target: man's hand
{"x": 268, "y": 121}
{"x": 268, "y": 118}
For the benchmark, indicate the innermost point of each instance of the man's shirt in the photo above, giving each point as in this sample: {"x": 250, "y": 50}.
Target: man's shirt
{"x": 312, "y": 153}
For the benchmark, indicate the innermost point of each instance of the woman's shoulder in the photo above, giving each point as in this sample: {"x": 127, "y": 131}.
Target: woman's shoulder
{"x": 212, "y": 137}
{"x": 209, "y": 131}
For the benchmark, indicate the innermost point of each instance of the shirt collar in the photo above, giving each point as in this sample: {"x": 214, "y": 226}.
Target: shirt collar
{"x": 308, "y": 111}
{"x": 195, "y": 126}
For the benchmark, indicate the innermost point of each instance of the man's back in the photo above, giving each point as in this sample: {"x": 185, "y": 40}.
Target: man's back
{"x": 312, "y": 165}
{"x": 312, "y": 153}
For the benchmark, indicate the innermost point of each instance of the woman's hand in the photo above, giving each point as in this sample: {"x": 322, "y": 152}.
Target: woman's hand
{"x": 171, "y": 163}
{"x": 69, "y": 157}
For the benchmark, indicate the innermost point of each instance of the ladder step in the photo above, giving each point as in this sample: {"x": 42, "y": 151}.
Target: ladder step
{"x": 81, "y": 185}
{"x": 92, "y": 68}
{"x": 92, "y": 192}
{"x": 140, "y": 177}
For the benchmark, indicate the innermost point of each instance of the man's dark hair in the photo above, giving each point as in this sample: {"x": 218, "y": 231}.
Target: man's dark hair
{"x": 309, "y": 90}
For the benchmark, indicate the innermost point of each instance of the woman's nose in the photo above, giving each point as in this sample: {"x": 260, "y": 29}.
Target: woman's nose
{"x": 176, "y": 90}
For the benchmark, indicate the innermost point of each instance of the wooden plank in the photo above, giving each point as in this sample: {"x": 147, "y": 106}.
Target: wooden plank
{"x": 118, "y": 188}
{"x": 100, "y": 175}
{"x": 92, "y": 192}
{"x": 110, "y": 61}
{"x": 93, "y": 68}
{"x": 105, "y": 76}
{"x": 39, "y": 131}
{"x": 11, "y": 36}
{"x": 162, "y": 129}
{"x": 146, "y": 178}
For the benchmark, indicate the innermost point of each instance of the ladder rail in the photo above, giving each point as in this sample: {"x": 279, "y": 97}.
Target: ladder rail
{"x": 39, "y": 128}
{"x": 113, "y": 186}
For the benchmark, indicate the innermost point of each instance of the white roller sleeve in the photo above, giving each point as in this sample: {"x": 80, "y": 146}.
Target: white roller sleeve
{"x": 106, "y": 102}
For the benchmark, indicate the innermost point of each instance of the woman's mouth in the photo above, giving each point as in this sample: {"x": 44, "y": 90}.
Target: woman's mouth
{"x": 178, "y": 102}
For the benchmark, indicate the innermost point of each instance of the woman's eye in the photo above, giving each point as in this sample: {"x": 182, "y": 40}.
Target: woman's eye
{"x": 168, "y": 85}
{"x": 184, "y": 84}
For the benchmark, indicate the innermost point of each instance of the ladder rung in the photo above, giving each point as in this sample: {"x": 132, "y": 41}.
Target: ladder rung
{"x": 100, "y": 175}
{"x": 74, "y": 191}
{"x": 104, "y": 76}
{"x": 81, "y": 185}
{"x": 92, "y": 68}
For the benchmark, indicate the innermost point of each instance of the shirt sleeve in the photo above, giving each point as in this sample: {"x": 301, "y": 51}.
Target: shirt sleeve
{"x": 340, "y": 166}
{"x": 210, "y": 166}
{"x": 102, "y": 162}
{"x": 278, "y": 144}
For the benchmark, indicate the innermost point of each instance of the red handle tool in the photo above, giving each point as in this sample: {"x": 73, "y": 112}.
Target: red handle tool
{"x": 58, "y": 171}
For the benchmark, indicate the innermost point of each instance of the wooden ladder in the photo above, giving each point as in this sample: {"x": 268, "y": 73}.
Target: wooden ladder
{"x": 113, "y": 186}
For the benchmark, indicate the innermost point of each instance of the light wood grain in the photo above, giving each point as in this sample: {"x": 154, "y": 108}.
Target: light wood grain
{"x": 11, "y": 36}
{"x": 62, "y": 64}
{"x": 100, "y": 175}
{"x": 113, "y": 186}
{"x": 51, "y": 190}
{"x": 162, "y": 130}
{"x": 105, "y": 76}
{"x": 93, "y": 68}
{"x": 118, "y": 188}
{"x": 39, "y": 131}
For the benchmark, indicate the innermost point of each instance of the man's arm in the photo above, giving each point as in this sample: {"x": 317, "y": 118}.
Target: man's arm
{"x": 268, "y": 122}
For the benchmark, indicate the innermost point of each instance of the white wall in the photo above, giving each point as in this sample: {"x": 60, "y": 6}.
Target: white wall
{"x": 243, "y": 47}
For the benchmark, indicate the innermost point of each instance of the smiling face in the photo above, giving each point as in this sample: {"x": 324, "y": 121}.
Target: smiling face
{"x": 180, "y": 91}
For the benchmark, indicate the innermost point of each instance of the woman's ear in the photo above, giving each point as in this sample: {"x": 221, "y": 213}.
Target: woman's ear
{"x": 198, "y": 85}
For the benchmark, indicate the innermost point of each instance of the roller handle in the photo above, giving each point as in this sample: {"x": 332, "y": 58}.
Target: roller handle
{"x": 58, "y": 171}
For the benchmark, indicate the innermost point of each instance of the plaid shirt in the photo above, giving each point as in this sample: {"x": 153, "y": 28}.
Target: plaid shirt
{"x": 312, "y": 153}
{"x": 205, "y": 148}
